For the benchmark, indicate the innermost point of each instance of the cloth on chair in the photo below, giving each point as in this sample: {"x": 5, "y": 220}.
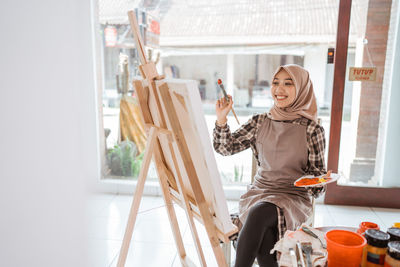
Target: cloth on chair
{"x": 289, "y": 241}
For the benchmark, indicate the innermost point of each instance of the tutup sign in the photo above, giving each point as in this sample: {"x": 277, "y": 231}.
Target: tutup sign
{"x": 362, "y": 74}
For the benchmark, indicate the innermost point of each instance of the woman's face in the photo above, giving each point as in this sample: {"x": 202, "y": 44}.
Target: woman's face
{"x": 283, "y": 90}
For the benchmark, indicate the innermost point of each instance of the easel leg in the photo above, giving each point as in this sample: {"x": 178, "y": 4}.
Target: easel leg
{"x": 137, "y": 197}
{"x": 219, "y": 255}
{"x": 226, "y": 247}
{"x": 188, "y": 210}
{"x": 195, "y": 236}
{"x": 173, "y": 221}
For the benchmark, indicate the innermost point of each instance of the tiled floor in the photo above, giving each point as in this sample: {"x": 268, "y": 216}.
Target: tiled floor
{"x": 153, "y": 243}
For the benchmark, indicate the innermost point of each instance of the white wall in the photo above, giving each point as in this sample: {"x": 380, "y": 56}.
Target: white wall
{"x": 48, "y": 131}
{"x": 245, "y": 70}
{"x": 389, "y": 154}
{"x": 315, "y": 63}
{"x": 200, "y": 67}
{"x": 267, "y": 65}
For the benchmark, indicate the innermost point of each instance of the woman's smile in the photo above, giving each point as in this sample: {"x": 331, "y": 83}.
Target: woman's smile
{"x": 281, "y": 97}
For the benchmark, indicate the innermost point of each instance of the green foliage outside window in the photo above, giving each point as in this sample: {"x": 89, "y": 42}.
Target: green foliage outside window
{"x": 123, "y": 159}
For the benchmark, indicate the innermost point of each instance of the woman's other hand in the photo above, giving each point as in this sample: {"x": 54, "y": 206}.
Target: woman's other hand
{"x": 316, "y": 191}
{"x": 222, "y": 108}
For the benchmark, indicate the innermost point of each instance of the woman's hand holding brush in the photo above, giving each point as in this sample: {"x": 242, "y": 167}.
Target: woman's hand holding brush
{"x": 222, "y": 108}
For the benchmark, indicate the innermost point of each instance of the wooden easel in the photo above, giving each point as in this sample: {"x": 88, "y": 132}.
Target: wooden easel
{"x": 159, "y": 147}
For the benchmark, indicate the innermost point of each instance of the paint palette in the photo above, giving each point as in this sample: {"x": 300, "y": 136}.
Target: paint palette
{"x": 315, "y": 181}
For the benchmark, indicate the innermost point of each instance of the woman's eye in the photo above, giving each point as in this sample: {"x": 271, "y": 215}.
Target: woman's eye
{"x": 286, "y": 84}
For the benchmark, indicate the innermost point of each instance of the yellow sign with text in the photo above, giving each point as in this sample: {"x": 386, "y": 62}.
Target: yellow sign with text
{"x": 362, "y": 74}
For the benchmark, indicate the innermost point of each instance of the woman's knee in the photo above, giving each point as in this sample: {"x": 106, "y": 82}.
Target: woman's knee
{"x": 263, "y": 212}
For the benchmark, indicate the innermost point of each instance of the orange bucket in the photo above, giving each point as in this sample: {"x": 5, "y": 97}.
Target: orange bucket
{"x": 364, "y": 226}
{"x": 344, "y": 248}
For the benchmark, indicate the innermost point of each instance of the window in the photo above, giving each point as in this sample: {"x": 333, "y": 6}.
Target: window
{"x": 241, "y": 43}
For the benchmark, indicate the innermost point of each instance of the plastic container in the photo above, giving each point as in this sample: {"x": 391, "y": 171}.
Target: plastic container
{"x": 392, "y": 258}
{"x": 375, "y": 251}
{"x": 365, "y": 226}
{"x": 344, "y": 248}
{"x": 394, "y": 233}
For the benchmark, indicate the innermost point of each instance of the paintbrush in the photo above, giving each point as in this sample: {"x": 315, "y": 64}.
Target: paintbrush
{"x": 306, "y": 247}
{"x": 299, "y": 254}
{"x": 293, "y": 257}
{"x": 227, "y": 98}
{"x": 311, "y": 233}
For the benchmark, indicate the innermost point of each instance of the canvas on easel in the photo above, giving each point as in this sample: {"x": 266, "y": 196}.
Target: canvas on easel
{"x": 185, "y": 99}
{"x": 178, "y": 143}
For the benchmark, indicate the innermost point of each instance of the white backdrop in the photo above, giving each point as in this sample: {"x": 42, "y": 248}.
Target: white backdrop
{"x": 48, "y": 131}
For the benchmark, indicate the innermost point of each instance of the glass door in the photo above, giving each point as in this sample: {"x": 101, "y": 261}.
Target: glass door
{"x": 362, "y": 86}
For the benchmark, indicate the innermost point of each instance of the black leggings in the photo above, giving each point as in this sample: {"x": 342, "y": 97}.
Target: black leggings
{"x": 258, "y": 237}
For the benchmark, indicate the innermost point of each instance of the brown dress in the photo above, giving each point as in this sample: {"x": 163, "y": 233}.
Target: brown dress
{"x": 283, "y": 156}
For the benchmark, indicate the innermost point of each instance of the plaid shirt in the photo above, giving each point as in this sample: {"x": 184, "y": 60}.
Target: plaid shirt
{"x": 227, "y": 143}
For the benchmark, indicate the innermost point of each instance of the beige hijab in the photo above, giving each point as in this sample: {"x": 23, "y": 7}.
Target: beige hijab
{"x": 305, "y": 103}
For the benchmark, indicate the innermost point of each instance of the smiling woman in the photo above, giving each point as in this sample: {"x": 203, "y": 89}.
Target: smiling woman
{"x": 287, "y": 143}
{"x": 283, "y": 90}
{"x": 293, "y": 93}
